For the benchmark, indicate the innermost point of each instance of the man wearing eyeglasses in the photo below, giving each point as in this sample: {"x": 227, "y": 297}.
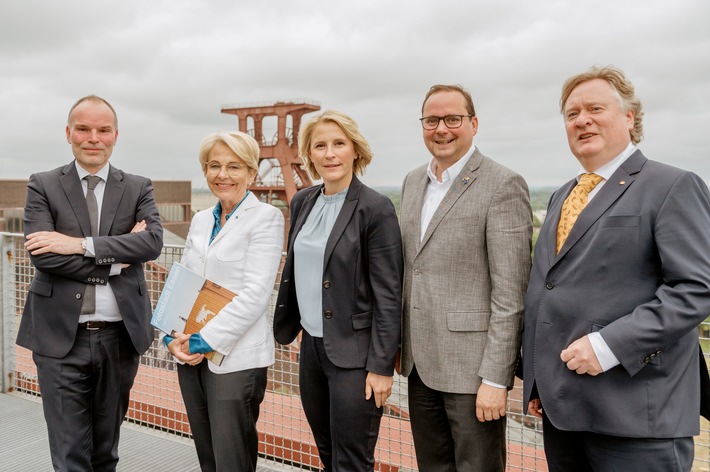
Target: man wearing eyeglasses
{"x": 466, "y": 230}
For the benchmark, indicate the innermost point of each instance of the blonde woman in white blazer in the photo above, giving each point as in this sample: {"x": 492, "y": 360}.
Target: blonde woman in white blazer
{"x": 236, "y": 244}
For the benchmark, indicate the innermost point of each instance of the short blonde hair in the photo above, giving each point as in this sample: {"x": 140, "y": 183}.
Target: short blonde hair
{"x": 348, "y": 126}
{"x": 622, "y": 87}
{"x": 241, "y": 144}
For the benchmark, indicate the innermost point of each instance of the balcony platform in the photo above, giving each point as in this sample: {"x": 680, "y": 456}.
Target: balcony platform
{"x": 23, "y": 436}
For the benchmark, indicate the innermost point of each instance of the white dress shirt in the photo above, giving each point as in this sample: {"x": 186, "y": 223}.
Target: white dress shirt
{"x": 106, "y": 306}
{"x": 606, "y": 358}
{"x": 436, "y": 191}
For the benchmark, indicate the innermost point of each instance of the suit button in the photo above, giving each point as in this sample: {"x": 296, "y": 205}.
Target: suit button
{"x": 549, "y": 285}
{"x": 328, "y": 314}
{"x": 101, "y": 281}
{"x": 326, "y": 284}
{"x": 78, "y": 296}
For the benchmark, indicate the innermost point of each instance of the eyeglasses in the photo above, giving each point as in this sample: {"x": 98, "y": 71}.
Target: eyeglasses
{"x": 214, "y": 168}
{"x": 451, "y": 121}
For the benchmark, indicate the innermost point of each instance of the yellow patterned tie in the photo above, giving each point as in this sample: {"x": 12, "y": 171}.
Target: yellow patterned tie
{"x": 573, "y": 206}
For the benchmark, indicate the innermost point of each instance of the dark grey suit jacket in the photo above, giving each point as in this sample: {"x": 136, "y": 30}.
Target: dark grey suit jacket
{"x": 56, "y": 202}
{"x": 636, "y": 268}
{"x": 362, "y": 281}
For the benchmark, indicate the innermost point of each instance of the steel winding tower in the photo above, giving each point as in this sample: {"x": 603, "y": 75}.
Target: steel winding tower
{"x": 280, "y": 173}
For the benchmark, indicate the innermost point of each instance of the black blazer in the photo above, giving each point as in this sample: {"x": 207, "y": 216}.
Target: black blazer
{"x": 56, "y": 202}
{"x": 362, "y": 281}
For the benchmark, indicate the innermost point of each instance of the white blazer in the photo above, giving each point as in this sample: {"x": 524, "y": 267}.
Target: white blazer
{"x": 244, "y": 258}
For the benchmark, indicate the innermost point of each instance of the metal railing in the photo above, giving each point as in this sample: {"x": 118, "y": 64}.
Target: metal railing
{"x": 285, "y": 436}
{"x": 170, "y": 212}
{"x": 11, "y": 219}
{"x": 175, "y": 212}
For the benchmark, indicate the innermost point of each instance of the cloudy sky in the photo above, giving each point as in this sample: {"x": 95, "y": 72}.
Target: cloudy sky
{"x": 169, "y": 66}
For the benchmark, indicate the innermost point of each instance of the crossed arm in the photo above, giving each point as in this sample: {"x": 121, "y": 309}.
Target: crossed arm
{"x": 43, "y": 242}
{"x": 56, "y": 250}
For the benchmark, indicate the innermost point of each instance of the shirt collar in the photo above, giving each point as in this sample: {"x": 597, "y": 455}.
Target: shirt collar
{"x": 452, "y": 171}
{"x": 217, "y": 211}
{"x": 335, "y": 197}
{"x": 103, "y": 172}
{"x": 608, "y": 169}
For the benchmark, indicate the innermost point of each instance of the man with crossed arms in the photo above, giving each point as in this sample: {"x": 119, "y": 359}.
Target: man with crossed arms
{"x": 89, "y": 227}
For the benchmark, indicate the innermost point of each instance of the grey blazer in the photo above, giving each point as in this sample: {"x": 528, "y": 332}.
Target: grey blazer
{"x": 636, "y": 268}
{"x": 465, "y": 280}
{"x": 56, "y": 202}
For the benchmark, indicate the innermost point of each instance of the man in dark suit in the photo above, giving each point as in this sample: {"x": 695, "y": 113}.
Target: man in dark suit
{"x": 87, "y": 315}
{"x": 610, "y": 342}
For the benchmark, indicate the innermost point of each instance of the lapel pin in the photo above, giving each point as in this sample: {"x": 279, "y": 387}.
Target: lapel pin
{"x": 622, "y": 182}
{"x": 466, "y": 179}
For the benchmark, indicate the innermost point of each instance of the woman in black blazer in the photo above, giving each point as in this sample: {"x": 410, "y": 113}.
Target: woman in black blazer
{"x": 341, "y": 285}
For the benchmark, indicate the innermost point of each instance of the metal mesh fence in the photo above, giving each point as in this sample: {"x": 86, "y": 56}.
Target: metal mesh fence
{"x": 284, "y": 433}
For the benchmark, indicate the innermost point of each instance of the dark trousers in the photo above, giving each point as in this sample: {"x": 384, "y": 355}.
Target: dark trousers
{"x": 223, "y": 410}
{"x": 345, "y": 426}
{"x": 85, "y": 398}
{"x": 447, "y": 436}
{"x": 572, "y": 451}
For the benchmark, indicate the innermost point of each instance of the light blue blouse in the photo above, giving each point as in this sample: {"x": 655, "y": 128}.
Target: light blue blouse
{"x": 309, "y": 251}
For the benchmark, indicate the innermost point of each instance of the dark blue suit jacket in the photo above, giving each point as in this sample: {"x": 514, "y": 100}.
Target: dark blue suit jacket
{"x": 636, "y": 268}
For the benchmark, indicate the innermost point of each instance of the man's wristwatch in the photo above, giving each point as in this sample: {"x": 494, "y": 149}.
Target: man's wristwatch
{"x": 83, "y": 245}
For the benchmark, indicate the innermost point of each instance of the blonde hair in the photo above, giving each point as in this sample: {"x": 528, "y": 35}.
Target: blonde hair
{"x": 348, "y": 126}
{"x": 622, "y": 87}
{"x": 241, "y": 144}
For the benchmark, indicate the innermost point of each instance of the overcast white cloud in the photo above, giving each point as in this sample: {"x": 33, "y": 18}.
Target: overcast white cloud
{"x": 168, "y": 67}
